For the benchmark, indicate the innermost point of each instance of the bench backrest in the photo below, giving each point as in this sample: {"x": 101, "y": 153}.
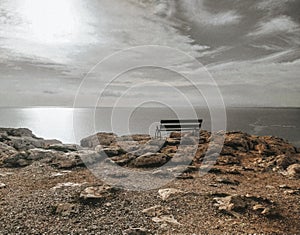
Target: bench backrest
{"x": 181, "y": 124}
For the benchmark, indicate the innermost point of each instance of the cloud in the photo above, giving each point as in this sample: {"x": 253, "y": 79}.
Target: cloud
{"x": 197, "y": 11}
{"x": 222, "y": 18}
{"x": 280, "y": 24}
{"x": 271, "y": 5}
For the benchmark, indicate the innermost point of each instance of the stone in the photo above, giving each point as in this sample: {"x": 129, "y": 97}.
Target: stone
{"x": 227, "y": 181}
{"x": 136, "y": 231}
{"x": 69, "y": 160}
{"x": 98, "y": 192}
{"x": 283, "y": 161}
{"x": 101, "y": 138}
{"x": 292, "y": 191}
{"x": 6, "y": 151}
{"x": 38, "y": 154}
{"x": 155, "y": 210}
{"x": 66, "y": 209}
{"x": 18, "y": 132}
{"x": 293, "y": 171}
{"x": 150, "y": 160}
{"x": 235, "y": 203}
{"x": 64, "y": 147}
{"x": 167, "y": 192}
{"x": 123, "y": 159}
{"x": 2, "y": 185}
{"x": 172, "y": 142}
{"x": 110, "y": 152}
{"x": 189, "y": 141}
{"x": 166, "y": 219}
{"x": 25, "y": 142}
{"x": 18, "y": 159}
{"x": 228, "y": 160}
{"x": 86, "y": 157}
{"x": 66, "y": 185}
{"x": 144, "y": 149}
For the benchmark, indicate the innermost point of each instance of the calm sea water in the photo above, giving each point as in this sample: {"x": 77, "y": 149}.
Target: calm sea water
{"x": 70, "y": 125}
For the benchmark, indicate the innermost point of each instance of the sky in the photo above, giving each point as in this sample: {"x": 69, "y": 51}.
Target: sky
{"x": 249, "y": 48}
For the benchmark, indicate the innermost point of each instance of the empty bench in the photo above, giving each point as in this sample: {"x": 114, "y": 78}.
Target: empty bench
{"x": 178, "y": 125}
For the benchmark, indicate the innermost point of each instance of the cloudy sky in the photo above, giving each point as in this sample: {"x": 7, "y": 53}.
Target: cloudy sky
{"x": 249, "y": 47}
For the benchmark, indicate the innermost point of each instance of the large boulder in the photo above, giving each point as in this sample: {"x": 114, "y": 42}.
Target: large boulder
{"x": 6, "y": 151}
{"x": 150, "y": 160}
{"x": 101, "y": 138}
{"x": 18, "y": 132}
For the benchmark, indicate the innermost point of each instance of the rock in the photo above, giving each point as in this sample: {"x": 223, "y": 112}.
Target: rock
{"x": 110, "y": 152}
{"x": 2, "y": 185}
{"x": 292, "y": 191}
{"x": 18, "y": 159}
{"x": 66, "y": 185}
{"x": 166, "y": 219}
{"x": 167, "y": 192}
{"x": 155, "y": 210}
{"x": 123, "y": 159}
{"x": 150, "y": 160}
{"x": 228, "y": 160}
{"x": 293, "y": 171}
{"x": 101, "y": 138}
{"x": 136, "y": 231}
{"x": 172, "y": 142}
{"x": 144, "y": 149}
{"x": 18, "y": 132}
{"x": 169, "y": 150}
{"x": 176, "y": 135}
{"x": 98, "y": 192}
{"x": 6, "y": 151}
{"x": 66, "y": 209}
{"x": 156, "y": 142}
{"x": 235, "y": 203}
{"x": 70, "y": 160}
{"x": 25, "y": 143}
{"x": 227, "y": 181}
{"x": 86, "y": 157}
{"x": 64, "y": 147}
{"x": 284, "y": 186}
{"x": 38, "y": 154}
{"x": 189, "y": 141}
{"x": 136, "y": 137}
{"x": 283, "y": 161}
{"x": 237, "y": 141}
{"x": 265, "y": 210}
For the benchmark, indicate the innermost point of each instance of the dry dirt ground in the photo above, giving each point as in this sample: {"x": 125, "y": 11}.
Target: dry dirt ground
{"x": 39, "y": 199}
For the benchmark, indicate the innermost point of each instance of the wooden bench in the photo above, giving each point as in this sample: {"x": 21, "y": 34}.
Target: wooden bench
{"x": 178, "y": 125}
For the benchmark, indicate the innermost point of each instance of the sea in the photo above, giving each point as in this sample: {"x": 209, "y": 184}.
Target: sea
{"x": 70, "y": 125}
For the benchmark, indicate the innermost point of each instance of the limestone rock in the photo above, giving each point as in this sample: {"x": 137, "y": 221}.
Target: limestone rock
{"x": 150, "y": 160}
{"x": 100, "y": 138}
{"x": 64, "y": 147}
{"x": 110, "y": 151}
{"x": 169, "y": 219}
{"x": 66, "y": 209}
{"x": 293, "y": 171}
{"x": 136, "y": 231}
{"x": 98, "y": 192}
{"x": 167, "y": 192}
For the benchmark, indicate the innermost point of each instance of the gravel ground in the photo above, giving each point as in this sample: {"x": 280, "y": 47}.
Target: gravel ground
{"x": 30, "y": 204}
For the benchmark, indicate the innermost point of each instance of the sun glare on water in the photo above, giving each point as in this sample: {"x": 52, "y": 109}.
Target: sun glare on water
{"x": 50, "y": 21}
